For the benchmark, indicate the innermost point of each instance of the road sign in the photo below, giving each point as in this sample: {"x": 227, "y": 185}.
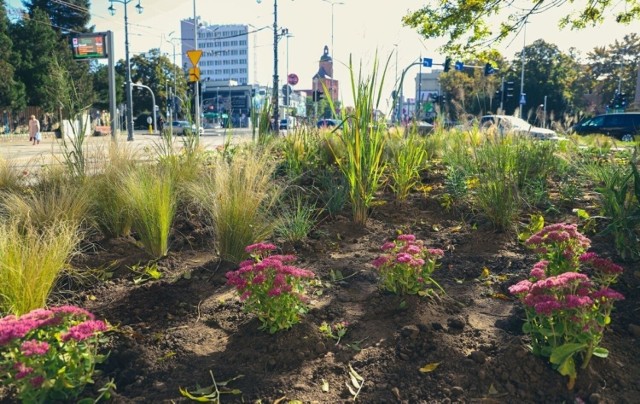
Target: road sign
{"x": 523, "y": 99}
{"x": 194, "y": 74}
{"x": 194, "y": 56}
{"x": 292, "y": 79}
{"x": 459, "y": 66}
{"x": 427, "y": 62}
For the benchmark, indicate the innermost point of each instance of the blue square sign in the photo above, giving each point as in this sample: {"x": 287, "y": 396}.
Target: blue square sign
{"x": 427, "y": 62}
{"x": 459, "y": 66}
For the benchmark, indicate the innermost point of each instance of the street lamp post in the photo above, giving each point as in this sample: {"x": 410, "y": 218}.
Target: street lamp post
{"x": 153, "y": 100}
{"x": 333, "y": 51}
{"x": 276, "y": 112}
{"x": 112, "y": 10}
{"x": 522, "y": 96}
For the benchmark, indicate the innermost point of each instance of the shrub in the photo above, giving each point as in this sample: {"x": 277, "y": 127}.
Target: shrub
{"x": 49, "y": 354}
{"x": 270, "y": 288}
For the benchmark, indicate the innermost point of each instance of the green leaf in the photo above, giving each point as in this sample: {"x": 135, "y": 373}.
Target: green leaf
{"x": 601, "y": 352}
{"x": 560, "y": 353}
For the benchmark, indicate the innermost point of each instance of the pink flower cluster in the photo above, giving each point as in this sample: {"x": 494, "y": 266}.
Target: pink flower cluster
{"x": 600, "y": 264}
{"x": 84, "y": 330}
{"x": 569, "y": 290}
{"x": 406, "y": 250}
{"x": 562, "y": 241}
{"x": 272, "y": 268}
{"x": 12, "y": 327}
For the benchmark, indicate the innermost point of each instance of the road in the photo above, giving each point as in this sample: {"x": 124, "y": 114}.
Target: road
{"x": 22, "y": 154}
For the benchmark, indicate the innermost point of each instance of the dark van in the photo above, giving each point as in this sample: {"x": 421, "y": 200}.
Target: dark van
{"x": 621, "y": 126}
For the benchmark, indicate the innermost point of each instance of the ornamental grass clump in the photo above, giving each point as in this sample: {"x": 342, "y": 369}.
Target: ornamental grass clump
{"x": 567, "y": 311}
{"x": 49, "y": 355}
{"x": 407, "y": 265}
{"x": 271, "y": 288}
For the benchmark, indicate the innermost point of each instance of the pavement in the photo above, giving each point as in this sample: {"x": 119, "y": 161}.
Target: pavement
{"x": 21, "y": 153}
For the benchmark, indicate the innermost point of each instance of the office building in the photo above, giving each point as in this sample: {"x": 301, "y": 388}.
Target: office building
{"x": 225, "y": 51}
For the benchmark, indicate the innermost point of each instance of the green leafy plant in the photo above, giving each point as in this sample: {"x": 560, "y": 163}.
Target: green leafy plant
{"x": 408, "y": 159}
{"x": 363, "y": 138}
{"x": 270, "y": 287}
{"x": 31, "y": 260}
{"x": 407, "y": 266}
{"x": 152, "y": 200}
{"x": 567, "y": 311}
{"x": 50, "y": 354}
{"x": 145, "y": 273}
{"x": 335, "y": 331}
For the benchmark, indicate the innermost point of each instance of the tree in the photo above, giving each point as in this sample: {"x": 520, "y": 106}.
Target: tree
{"x": 548, "y": 72}
{"x": 12, "y": 92}
{"x": 36, "y": 42}
{"x": 615, "y": 67}
{"x": 65, "y": 16}
{"x": 465, "y": 23}
{"x": 100, "y": 77}
{"x": 156, "y": 71}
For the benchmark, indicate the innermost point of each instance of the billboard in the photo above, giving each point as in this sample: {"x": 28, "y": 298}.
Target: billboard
{"x": 89, "y": 46}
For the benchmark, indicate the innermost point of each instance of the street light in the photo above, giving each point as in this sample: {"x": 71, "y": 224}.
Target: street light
{"x": 333, "y": 51}
{"x": 522, "y": 96}
{"x": 112, "y": 11}
{"x": 153, "y": 100}
{"x": 275, "y": 64}
{"x": 175, "y": 90}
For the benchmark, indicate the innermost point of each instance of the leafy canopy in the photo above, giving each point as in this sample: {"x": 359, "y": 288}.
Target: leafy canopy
{"x": 467, "y": 23}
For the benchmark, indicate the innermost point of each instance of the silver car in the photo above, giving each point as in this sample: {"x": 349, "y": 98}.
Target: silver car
{"x": 511, "y": 124}
{"x": 180, "y": 126}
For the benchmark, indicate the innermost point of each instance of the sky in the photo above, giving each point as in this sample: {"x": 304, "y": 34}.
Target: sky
{"x": 361, "y": 30}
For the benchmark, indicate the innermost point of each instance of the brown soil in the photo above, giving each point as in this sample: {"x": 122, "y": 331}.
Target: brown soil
{"x": 177, "y": 331}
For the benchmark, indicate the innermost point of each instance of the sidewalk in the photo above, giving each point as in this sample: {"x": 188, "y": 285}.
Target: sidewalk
{"x": 17, "y": 149}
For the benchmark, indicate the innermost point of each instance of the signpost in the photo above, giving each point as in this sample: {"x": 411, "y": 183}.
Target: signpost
{"x": 194, "y": 56}
{"x": 292, "y": 79}
{"x": 459, "y": 66}
{"x": 427, "y": 62}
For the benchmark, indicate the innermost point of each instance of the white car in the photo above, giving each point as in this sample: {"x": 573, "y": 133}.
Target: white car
{"x": 180, "y": 126}
{"x": 506, "y": 124}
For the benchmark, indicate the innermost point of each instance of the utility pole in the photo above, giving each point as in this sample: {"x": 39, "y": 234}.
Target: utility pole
{"x": 522, "y": 96}
{"x": 196, "y": 84}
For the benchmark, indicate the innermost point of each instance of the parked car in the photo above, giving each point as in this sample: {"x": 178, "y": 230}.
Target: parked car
{"x": 327, "y": 123}
{"x": 511, "y": 124}
{"x": 622, "y": 126}
{"x": 180, "y": 126}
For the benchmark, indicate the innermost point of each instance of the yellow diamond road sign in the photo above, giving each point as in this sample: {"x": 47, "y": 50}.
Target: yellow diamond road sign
{"x": 194, "y": 56}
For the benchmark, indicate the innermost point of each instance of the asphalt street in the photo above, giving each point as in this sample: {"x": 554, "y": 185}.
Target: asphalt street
{"x": 21, "y": 153}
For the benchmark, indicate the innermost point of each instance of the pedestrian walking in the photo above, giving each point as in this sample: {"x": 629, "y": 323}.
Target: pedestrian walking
{"x": 34, "y": 130}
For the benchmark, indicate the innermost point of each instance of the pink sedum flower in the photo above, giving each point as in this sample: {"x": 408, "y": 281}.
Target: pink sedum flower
{"x": 84, "y": 330}
{"x": 608, "y": 294}
{"x": 34, "y": 347}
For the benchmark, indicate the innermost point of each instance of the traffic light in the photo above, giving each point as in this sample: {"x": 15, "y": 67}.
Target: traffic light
{"x": 509, "y": 88}
{"x": 488, "y": 69}
{"x": 447, "y": 64}
{"x": 317, "y": 96}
